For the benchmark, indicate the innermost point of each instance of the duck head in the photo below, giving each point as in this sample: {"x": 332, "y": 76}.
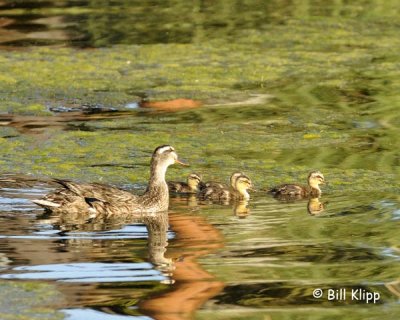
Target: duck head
{"x": 163, "y": 157}
{"x": 166, "y": 155}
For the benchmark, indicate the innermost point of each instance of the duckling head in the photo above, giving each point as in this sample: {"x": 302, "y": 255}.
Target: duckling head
{"x": 234, "y": 177}
{"x": 194, "y": 180}
{"x": 315, "y": 178}
{"x": 243, "y": 183}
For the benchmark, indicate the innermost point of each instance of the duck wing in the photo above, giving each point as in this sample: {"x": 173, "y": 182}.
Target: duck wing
{"x": 84, "y": 197}
{"x": 98, "y": 191}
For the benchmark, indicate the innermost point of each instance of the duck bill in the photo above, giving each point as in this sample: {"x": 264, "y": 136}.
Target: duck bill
{"x": 181, "y": 163}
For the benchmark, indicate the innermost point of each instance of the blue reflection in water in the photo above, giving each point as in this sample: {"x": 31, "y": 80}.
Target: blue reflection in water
{"x": 90, "y": 314}
{"x": 88, "y": 272}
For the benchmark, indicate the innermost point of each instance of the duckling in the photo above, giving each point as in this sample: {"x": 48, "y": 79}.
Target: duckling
{"x": 192, "y": 186}
{"x": 218, "y": 185}
{"x": 240, "y": 183}
{"x": 315, "y": 178}
{"x": 96, "y": 199}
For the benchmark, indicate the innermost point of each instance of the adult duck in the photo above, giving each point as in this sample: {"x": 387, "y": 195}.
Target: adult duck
{"x": 95, "y": 199}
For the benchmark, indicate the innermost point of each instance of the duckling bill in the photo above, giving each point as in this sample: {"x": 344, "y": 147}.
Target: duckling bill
{"x": 95, "y": 199}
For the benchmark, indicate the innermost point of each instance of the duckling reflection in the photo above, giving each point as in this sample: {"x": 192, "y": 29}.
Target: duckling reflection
{"x": 241, "y": 209}
{"x": 314, "y": 206}
{"x": 190, "y": 200}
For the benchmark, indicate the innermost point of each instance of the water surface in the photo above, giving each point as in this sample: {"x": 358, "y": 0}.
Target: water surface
{"x": 285, "y": 88}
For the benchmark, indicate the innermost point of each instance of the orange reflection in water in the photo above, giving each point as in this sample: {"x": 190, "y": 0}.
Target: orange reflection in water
{"x": 193, "y": 285}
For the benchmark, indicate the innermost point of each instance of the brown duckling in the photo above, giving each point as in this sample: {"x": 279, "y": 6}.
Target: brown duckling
{"x": 218, "y": 185}
{"x": 240, "y": 183}
{"x": 96, "y": 199}
{"x": 191, "y": 186}
{"x": 295, "y": 191}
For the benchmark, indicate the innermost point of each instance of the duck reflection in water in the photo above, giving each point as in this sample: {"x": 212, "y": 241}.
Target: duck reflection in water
{"x": 156, "y": 226}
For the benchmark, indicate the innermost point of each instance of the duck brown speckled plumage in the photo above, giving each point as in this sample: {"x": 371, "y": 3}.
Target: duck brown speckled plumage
{"x": 239, "y": 182}
{"x": 295, "y": 191}
{"x": 192, "y": 185}
{"x": 95, "y": 199}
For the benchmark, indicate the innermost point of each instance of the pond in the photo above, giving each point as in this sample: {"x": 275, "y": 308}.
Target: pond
{"x": 88, "y": 89}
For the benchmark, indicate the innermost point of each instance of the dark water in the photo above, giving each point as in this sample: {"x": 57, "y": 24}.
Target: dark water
{"x": 327, "y": 74}
{"x": 103, "y": 23}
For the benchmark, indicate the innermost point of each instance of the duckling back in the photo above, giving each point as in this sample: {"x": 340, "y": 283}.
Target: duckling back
{"x": 215, "y": 192}
{"x": 289, "y": 190}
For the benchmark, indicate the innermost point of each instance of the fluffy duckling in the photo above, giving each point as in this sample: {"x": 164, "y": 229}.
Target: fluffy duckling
{"x": 218, "y": 185}
{"x": 192, "y": 186}
{"x": 96, "y": 199}
{"x": 315, "y": 178}
{"x": 240, "y": 183}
